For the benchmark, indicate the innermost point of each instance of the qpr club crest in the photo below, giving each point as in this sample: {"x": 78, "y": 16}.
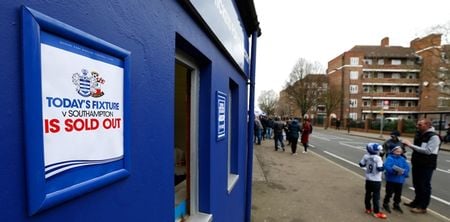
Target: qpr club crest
{"x": 88, "y": 84}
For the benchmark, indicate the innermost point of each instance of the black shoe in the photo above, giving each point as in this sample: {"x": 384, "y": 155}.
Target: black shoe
{"x": 411, "y": 204}
{"x": 397, "y": 208}
{"x": 387, "y": 208}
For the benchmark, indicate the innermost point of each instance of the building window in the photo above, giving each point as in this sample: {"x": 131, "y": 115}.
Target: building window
{"x": 396, "y": 75}
{"x": 366, "y": 89}
{"x": 394, "y": 103}
{"x": 412, "y": 76}
{"x": 354, "y": 75}
{"x": 380, "y": 61}
{"x": 366, "y": 103}
{"x": 409, "y": 62}
{"x": 354, "y": 60}
{"x": 395, "y": 89}
{"x": 444, "y": 102}
{"x": 353, "y": 103}
{"x": 353, "y": 116}
{"x": 380, "y": 75}
{"x": 367, "y": 75}
{"x": 368, "y": 61}
{"x": 396, "y": 62}
{"x": 353, "y": 89}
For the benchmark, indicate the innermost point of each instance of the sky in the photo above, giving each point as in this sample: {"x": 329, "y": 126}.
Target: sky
{"x": 321, "y": 30}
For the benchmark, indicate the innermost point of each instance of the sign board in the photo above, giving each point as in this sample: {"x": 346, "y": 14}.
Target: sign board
{"x": 223, "y": 19}
{"x": 76, "y": 107}
{"x": 221, "y": 110}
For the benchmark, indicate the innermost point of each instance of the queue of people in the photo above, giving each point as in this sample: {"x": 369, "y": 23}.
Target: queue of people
{"x": 290, "y": 130}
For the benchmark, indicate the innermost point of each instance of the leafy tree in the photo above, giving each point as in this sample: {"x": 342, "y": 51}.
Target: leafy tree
{"x": 267, "y": 101}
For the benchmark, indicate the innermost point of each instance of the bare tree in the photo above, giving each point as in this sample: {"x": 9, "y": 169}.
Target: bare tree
{"x": 331, "y": 98}
{"x": 267, "y": 101}
{"x": 303, "y": 93}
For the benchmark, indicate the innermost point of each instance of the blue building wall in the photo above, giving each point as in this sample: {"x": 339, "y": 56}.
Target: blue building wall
{"x": 151, "y": 30}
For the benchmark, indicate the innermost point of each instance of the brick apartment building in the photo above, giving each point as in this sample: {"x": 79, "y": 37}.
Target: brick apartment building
{"x": 394, "y": 81}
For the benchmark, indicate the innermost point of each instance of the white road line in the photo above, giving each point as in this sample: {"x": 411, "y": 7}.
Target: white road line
{"x": 436, "y": 198}
{"x": 444, "y": 171}
{"x": 338, "y": 157}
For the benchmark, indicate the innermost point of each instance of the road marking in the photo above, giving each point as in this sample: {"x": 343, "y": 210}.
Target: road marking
{"x": 444, "y": 171}
{"x": 436, "y": 198}
{"x": 360, "y": 146}
{"x": 338, "y": 157}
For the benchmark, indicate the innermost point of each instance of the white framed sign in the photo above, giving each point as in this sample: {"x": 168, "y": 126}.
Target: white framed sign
{"x": 76, "y": 90}
{"x": 221, "y": 114}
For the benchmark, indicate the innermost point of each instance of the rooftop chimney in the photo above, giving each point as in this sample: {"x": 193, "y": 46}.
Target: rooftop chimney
{"x": 385, "y": 42}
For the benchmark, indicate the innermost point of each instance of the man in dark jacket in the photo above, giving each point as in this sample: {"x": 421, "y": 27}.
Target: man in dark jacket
{"x": 424, "y": 161}
{"x": 294, "y": 130}
{"x": 278, "y": 127}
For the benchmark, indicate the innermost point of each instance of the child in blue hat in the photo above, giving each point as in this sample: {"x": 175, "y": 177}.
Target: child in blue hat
{"x": 396, "y": 171}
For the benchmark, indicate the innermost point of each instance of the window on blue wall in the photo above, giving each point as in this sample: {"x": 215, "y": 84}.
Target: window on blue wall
{"x": 233, "y": 134}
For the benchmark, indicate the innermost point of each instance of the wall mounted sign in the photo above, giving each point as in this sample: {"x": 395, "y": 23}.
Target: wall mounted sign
{"x": 76, "y": 94}
{"x": 223, "y": 18}
{"x": 221, "y": 111}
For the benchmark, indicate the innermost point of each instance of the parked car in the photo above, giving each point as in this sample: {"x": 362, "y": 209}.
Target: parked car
{"x": 439, "y": 124}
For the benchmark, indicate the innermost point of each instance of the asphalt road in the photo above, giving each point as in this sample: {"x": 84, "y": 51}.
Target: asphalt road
{"x": 347, "y": 150}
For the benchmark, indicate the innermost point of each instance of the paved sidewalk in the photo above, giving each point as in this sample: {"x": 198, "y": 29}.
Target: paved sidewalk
{"x": 308, "y": 187}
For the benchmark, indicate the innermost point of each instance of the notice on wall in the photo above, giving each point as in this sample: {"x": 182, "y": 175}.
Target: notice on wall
{"x": 221, "y": 106}
{"x": 82, "y": 102}
{"x": 76, "y": 90}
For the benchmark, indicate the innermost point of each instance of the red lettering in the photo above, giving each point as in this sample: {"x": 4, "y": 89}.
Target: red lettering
{"x": 111, "y": 123}
{"x": 81, "y": 124}
{"x": 51, "y": 126}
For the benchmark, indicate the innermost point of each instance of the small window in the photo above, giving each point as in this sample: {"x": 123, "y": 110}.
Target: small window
{"x": 396, "y": 62}
{"x": 354, "y": 75}
{"x": 380, "y": 61}
{"x": 394, "y": 103}
{"x": 366, "y": 89}
{"x": 409, "y": 62}
{"x": 368, "y": 61}
{"x": 353, "y": 116}
{"x": 353, "y": 89}
{"x": 380, "y": 75}
{"x": 395, "y": 89}
{"x": 354, "y": 61}
{"x": 396, "y": 75}
{"x": 353, "y": 103}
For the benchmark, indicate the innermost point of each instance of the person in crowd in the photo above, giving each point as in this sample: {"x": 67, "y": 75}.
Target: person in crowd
{"x": 374, "y": 169}
{"x": 294, "y": 130}
{"x": 278, "y": 127}
{"x": 424, "y": 161}
{"x": 286, "y": 131}
{"x": 269, "y": 128}
{"x": 391, "y": 143}
{"x": 338, "y": 124}
{"x": 257, "y": 129}
{"x": 396, "y": 171}
{"x": 306, "y": 131}
{"x": 263, "y": 120}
